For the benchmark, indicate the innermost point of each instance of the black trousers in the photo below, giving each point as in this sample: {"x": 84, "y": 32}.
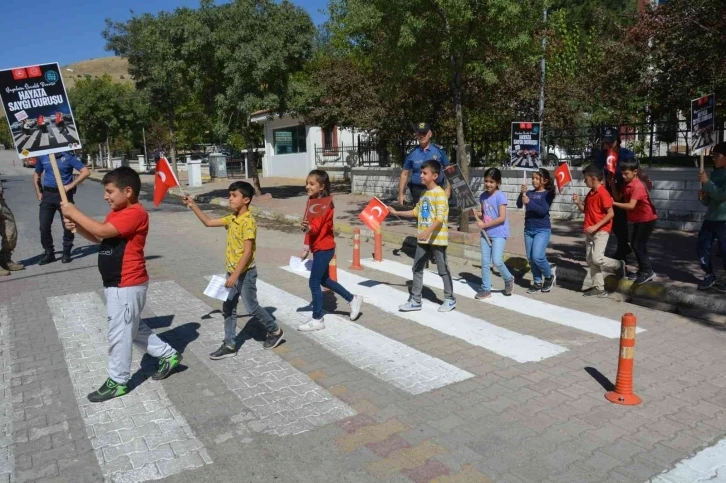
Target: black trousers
{"x": 620, "y": 230}
{"x": 639, "y": 242}
{"x": 417, "y": 190}
{"x": 49, "y": 205}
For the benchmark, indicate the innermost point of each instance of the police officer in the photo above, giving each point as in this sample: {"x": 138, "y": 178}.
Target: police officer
{"x": 50, "y": 199}
{"x": 9, "y": 233}
{"x": 425, "y": 151}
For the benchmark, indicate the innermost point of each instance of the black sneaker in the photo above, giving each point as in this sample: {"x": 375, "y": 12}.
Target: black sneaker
{"x": 549, "y": 283}
{"x": 110, "y": 389}
{"x": 223, "y": 352}
{"x": 47, "y": 257}
{"x": 166, "y": 366}
{"x": 66, "y": 257}
{"x": 595, "y": 292}
{"x": 273, "y": 340}
{"x": 536, "y": 287}
{"x": 645, "y": 277}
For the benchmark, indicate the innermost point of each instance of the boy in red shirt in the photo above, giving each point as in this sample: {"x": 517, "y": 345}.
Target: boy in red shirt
{"x": 598, "y": 210}
{"x": 634, "y": 199}
{"x": 123, "y": 269}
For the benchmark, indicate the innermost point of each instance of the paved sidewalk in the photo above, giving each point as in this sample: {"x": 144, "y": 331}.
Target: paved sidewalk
{"x": 672, "y": 252}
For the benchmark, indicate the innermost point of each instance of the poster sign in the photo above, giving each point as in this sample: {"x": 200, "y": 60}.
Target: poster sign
{"x": 703, "y": 123}
{"x": 526, "y": 145}
{"x": 38, "y": 112}
{"x": 462, "y": 191}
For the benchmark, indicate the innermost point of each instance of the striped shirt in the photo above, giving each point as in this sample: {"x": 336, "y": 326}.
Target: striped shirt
{"x": 433, "y": 206}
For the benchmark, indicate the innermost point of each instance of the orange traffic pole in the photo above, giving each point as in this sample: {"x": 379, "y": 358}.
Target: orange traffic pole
{"x": 623, "y": 393}
{"x": 378, "y": 247}
{"x": 356, "y": 251}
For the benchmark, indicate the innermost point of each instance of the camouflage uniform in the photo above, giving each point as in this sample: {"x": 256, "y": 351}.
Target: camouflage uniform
{"x": 9, "y": 233}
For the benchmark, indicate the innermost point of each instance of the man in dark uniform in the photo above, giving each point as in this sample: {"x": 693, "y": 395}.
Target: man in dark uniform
{"x": 9, "y": 233}
{"x": 50, "y": 199}
{"x": 425, "y": 151}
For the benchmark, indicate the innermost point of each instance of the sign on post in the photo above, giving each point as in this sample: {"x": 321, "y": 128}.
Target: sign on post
{"x": 526, "y": 145}
{"x": 703, "y": 123}
{"x": 38, "y": 112}
{"x": 464, "y": 196}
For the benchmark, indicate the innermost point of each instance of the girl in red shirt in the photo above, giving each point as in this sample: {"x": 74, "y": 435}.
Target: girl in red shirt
{"x": 320, "y": 240}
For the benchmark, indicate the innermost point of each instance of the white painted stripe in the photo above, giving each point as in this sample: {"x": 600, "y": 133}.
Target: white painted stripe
{"x": 708, "y": 465}
{"x": 276, "y": 398}
{"x": 31, "y": 141}
{"x": 137, "y": 437}
{"x": 44, "y": 140}
{"x": 517, "y": 303}
{"x": 58, "y": 136}
{"x": 7, "y": 460}
{"x": 478, "y": 332}
{"x": 386, "y": 359}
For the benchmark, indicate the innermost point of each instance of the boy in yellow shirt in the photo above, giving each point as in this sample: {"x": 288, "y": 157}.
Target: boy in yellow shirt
{"x": 240, "y": 266}
{"x": 432, "y": 212}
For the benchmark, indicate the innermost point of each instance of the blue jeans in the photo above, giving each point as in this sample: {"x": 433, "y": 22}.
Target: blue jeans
{"x": 319, "y": 276}
{"x": 711, "y": 230}
{"x": 535, "y": 245}
{"x": 493, "y": 255}
{"x": 246, "y": 287}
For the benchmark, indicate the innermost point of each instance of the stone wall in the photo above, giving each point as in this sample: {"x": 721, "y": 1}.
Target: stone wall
{"x": 674, "y": 193}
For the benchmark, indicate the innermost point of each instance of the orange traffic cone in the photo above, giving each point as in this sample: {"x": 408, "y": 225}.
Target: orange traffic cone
{"x": 623, "y": 393}
{"x": 356, "y": 251}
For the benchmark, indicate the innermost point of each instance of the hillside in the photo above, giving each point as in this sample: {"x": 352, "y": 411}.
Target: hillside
{"x": 116, "y": 67}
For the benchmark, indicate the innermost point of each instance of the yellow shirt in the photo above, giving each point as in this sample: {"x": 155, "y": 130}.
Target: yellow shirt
{"x": 239, "y": 228}
{"x": 433, "y": 206}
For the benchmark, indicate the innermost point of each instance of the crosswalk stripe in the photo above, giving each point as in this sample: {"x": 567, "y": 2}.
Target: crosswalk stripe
{"x": 708, "y": 465}
{"x": 57, "y": 134}
{"x": 478, "y": 332}
{"x": 386, "y": 359}
{"x": 278, "y": 399}
{"x": 44, "y": 139}
{"x": 138, "y": 437}
{"x": 576, "y": 319}
{"x": 7, "y": 460}
{"x": 30, "y": 141}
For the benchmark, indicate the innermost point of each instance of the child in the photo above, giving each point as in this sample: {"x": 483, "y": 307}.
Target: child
{"x": 713, "y": 195}
{"x": 123, "y": 269}
{"x": 635, "y": 200}
{"x": 320, "y": 240}
{"x": 240, "y": 267}
{"x": 432, "y": 212}
{"x": 537, "y": 228}
{"x": 494, "y": 224}
{"x": 599, "y": 213}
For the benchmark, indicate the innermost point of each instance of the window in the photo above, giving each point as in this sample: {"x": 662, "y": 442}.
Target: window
{"x": 289, "y": 140}
{"x": 330, "y": 139}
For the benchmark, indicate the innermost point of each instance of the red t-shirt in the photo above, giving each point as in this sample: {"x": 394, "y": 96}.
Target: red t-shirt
{"x": 597, "y": 204}
{"x": 644, "y": 210}
{"x": 121, "y": 259}
{"x": 321, "y": 236}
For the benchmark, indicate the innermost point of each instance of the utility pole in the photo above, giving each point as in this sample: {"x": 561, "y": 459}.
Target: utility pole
{"x": 544, "y": 52}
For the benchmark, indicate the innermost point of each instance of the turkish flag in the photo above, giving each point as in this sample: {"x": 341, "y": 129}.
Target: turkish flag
{"x": 374, "y": 214}
{"x": 612, "y": 160}
{"x": 563, "y": 176}
{"x": 318, "y": 207}
{"x": 164, "y": 179}
{"x": 19, "y": 74}
{"x": 33, "y": 71}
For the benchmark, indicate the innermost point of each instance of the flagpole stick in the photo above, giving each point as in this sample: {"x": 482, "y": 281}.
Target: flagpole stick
{"x": 59, "y": 181}
{"x": 486, "y": 237}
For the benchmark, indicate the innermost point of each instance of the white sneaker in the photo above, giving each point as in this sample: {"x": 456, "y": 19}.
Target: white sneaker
{"x": 355, "y": 307}
{"x": 312, "y": 325}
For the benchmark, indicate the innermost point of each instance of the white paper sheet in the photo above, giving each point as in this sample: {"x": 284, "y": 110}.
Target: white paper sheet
{"x": 216, "y": 288}
{"x": 300, "y": 265}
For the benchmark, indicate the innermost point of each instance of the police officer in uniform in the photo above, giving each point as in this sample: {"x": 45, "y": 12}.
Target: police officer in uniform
{"x": 50, "y": 199}
{"x": 9, "y": 233}
{"x": 425, "y": 151}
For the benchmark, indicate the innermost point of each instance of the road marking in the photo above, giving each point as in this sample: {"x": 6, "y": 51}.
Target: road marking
{"x": 278, "y": 399}
{"x": 386, "y": 359}
{"x": 478, "y": 332}
{"x": 7, "y": 460}
{"x": 517, "y": 303}
{"x": 708, "y": 465}
{"x": 138, "y": 437}
{"x": 31, "y": 140}
{"x": 44, "y": 139}
{"x": 58, "y": 136}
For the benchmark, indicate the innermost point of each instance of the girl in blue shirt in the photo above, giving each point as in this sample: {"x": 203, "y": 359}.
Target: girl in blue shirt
{"x": 537, "y": 228}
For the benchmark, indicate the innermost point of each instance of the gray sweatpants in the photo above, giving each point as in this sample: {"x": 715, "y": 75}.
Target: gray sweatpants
{"x": 125, "y": 328}
{"x": 423, "y": 254}
{"x": 246, "y": 287}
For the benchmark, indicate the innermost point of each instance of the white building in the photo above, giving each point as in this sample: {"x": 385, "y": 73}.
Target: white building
{"x": 293, "y": 148}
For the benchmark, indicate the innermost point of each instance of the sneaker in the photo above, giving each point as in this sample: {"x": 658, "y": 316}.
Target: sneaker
{"x": 448, "y": 305}
{"x": 720, "y": 286}
{"x": 355, "y": 307}
{"x": 623, "y": 269}
{"x": 483, "y": 294}
{"x": 632, "y": 276}
{"x": 312, "y": 325}
{"x": 109, "y": 390}
{"x": 536, "y": 287}
{"x": 46, "y": 258}
{"x": 167, "y": 366}
{"x": 645, "y": 277}
{"x": 508, "y": 287}
{"x": 410, "y": 306}
{"x": 605, "y": 294}
{"x": 549, "y": 283}
{"x": 273, "y": 340}
{"x": 66, "y": 257}
{"x": 594, "y": 292}
{"x": 707, "y": 282}
{"x": 223, "y": 352}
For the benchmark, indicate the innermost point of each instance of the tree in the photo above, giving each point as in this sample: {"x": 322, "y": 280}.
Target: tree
{"x": 5, "y": 135}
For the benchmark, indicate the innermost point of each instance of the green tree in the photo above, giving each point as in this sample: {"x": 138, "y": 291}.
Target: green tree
{"x": 5, "y": 135}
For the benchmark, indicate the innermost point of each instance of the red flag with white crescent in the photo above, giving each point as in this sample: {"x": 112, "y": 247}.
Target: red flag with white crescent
{"x": 318, "y": 207}
{"x": 563, "y": 176}
{"x": 374, "y": 214}
{"x": 611, "y": 163}
{"x": 164, "y": 179}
